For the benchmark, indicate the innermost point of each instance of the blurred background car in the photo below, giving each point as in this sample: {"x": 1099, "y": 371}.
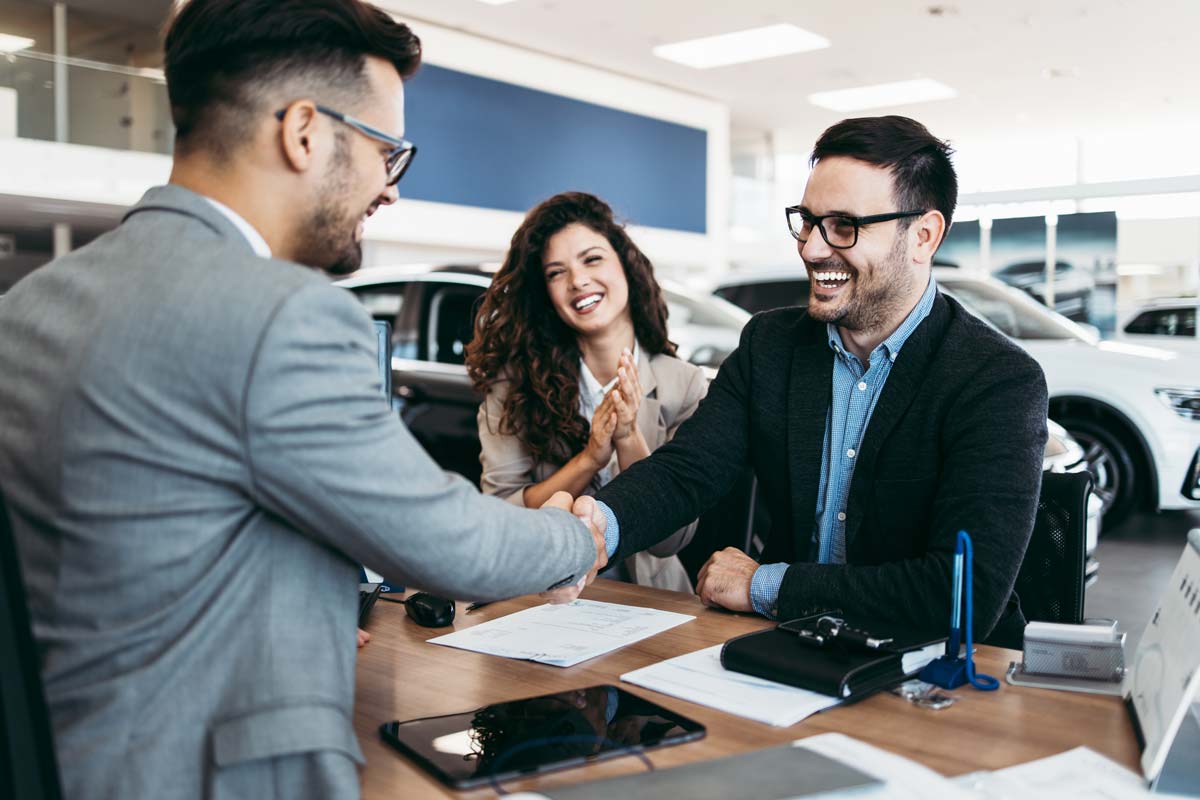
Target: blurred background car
{"x": 1073, "y": 287}
{"x": 1139, "y": 429}
{"x": 432, "y": 313}
{"x": 1169, "y": 323}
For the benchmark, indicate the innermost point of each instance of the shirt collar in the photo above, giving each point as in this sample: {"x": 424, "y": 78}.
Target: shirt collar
{"x": 588, "y": 381}
{"x": 253, "y": 237}
{"x": 891, "y": 345}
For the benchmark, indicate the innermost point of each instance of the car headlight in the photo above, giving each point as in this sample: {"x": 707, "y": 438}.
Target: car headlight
{"x": 1184, "y": 401}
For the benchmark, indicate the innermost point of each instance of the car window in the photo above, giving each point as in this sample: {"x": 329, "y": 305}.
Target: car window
{"x": 1033, "y": 268}
{"x": 755, "y": 297}
{"x": 1012, "y": 312}
{"x": 384, "y": 302}
{"x": 1165, "y": 322}
{"x": 452, "y": 322}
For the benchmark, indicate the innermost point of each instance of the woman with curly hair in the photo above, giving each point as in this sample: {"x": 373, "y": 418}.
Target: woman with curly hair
{"x": 578, "y": 377}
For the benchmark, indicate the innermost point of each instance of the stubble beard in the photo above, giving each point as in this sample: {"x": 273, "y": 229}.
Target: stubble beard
{"x": 874, "y": 302}
{"x": 327, "y": 236}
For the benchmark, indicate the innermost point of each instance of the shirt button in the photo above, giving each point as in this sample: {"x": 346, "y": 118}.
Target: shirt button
{"x": 862, "y": 386}
{"x": 850, "y": 453}
{"x": 841, "y": 516}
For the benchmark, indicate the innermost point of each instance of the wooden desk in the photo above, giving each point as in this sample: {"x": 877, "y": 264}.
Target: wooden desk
{"x": 401, "y": 677}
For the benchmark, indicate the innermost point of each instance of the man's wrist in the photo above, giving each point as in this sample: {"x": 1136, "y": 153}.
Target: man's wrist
{"x": 764, "y": 589}
{"x": 612, "y": 530}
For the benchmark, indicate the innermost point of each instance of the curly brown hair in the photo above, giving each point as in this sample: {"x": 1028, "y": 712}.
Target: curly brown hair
{"x": 520, "y": 338}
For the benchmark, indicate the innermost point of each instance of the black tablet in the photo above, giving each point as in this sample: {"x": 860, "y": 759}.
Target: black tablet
{"x": 537, "y": 734}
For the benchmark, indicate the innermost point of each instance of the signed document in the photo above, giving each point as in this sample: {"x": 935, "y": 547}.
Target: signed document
{"x": 563, "y": 635}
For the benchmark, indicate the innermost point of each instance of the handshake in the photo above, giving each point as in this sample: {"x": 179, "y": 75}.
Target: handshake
{"x": 589, "y": 514}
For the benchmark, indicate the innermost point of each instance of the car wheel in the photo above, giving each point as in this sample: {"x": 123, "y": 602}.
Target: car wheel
{"x": 1110, "y": 462}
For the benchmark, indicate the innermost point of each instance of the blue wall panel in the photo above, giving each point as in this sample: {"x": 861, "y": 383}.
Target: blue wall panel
{"x": 487, "y": 143}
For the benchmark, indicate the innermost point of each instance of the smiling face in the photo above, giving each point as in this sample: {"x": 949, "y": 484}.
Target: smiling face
{"x": 872, "y": 284}
{"x": 585, "y": 280}
{"x": 354, "y": 184}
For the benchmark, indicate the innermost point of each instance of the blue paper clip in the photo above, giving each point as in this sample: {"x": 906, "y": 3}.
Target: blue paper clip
{"x": 950, "y": 671}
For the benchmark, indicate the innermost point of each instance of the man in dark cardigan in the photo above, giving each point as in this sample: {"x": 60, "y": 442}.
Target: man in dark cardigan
{"x": 880, "y": 420}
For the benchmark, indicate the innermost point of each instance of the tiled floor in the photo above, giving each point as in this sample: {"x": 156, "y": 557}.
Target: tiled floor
{"x": 1136, "y": 560}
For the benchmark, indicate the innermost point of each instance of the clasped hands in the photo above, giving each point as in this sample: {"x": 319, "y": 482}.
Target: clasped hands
{"x": 614, "y": 423}
{"x": 589, "y": 514}
{"x": 723, "y": 581}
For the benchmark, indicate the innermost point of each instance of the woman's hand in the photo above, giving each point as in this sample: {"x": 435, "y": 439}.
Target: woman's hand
{"x": 626, "y": 397}
{"x": 599, "y": 449}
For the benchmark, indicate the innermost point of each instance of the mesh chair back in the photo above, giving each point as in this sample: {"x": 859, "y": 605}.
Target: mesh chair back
{"x": 28, "y": 769}
{"x": 1051, "y": 580}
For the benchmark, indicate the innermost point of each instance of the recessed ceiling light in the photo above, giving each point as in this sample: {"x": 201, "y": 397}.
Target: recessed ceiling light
{"x": 741, "y": 46}
{"x": 11, "y": 44}
{"x": 883, "y": 94}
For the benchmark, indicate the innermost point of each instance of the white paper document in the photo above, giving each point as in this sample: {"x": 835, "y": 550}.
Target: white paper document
{"x": 699, "y": 678}
{"x": 1079, "y": 773}
{"x": 563, "y": 635}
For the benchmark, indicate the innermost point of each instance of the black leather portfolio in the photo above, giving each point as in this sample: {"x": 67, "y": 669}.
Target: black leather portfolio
{"x": 843, "y": 668}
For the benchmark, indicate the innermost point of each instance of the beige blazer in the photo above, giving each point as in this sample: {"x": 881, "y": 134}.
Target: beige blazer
{"x": 673, "y": 388}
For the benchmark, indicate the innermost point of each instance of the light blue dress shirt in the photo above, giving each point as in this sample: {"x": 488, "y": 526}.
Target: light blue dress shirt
{"x": 856, "y": 390}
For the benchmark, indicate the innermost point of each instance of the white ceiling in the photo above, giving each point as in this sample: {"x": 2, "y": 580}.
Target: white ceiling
{"x": 1059, "y": 67}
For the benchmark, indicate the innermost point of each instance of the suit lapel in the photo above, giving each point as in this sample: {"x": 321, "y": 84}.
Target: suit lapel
{"x": 809, "y": 394}
{"x": 649, "y": 416}
{"x": 905, "y": 379}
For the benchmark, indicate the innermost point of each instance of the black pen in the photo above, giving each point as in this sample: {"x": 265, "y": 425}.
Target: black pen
{"x": 475, "y": 606}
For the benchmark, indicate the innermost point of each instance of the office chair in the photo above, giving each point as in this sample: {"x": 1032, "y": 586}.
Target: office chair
{"x": 1051, "y": 580}
{"x": 28, "y": 768}
{"x": 732, "y": 522}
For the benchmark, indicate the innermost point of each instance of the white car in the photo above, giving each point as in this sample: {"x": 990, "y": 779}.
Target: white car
{"x": 1169, "y": 323}
{"x": 1134, "y": 409}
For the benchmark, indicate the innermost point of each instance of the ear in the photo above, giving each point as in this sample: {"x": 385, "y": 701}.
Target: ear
{"x": 297, "y": 135}
{"x": 927, "y": 232}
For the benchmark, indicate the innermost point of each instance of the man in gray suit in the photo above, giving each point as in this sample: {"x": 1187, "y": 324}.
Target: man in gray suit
{"x": 192, "y": 441}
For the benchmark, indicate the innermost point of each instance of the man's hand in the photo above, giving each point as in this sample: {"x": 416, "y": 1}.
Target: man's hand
{"x": 724, "y": 581}
{"x": 363, "y": 637}
{"x": 590, "y": 514}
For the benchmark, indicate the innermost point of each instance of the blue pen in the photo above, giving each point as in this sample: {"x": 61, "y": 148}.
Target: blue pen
{"x": 955, "y": 638}
{"x": 949, "y": 671}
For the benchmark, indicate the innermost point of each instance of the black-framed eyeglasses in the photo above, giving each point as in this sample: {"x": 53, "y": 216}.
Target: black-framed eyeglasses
{"x": 839, "y": 231}
{"x": 398, "y": 158}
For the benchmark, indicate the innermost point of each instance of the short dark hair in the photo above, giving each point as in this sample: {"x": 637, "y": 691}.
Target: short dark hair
{"x": 922, "y": 175}
{"x": 225, "y": 59}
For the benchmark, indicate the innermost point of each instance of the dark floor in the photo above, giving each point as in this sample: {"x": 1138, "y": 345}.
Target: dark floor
{"x": 1136, "y": 561}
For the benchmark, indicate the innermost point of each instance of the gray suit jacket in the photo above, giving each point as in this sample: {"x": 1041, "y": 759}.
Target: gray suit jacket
{"x": 673, "y": 389}
{"x": 196, "y": 457}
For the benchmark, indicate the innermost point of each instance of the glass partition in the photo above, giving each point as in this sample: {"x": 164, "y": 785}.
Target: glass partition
{"x": 26, "y": 97}
{"x": 112, "y": 107}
